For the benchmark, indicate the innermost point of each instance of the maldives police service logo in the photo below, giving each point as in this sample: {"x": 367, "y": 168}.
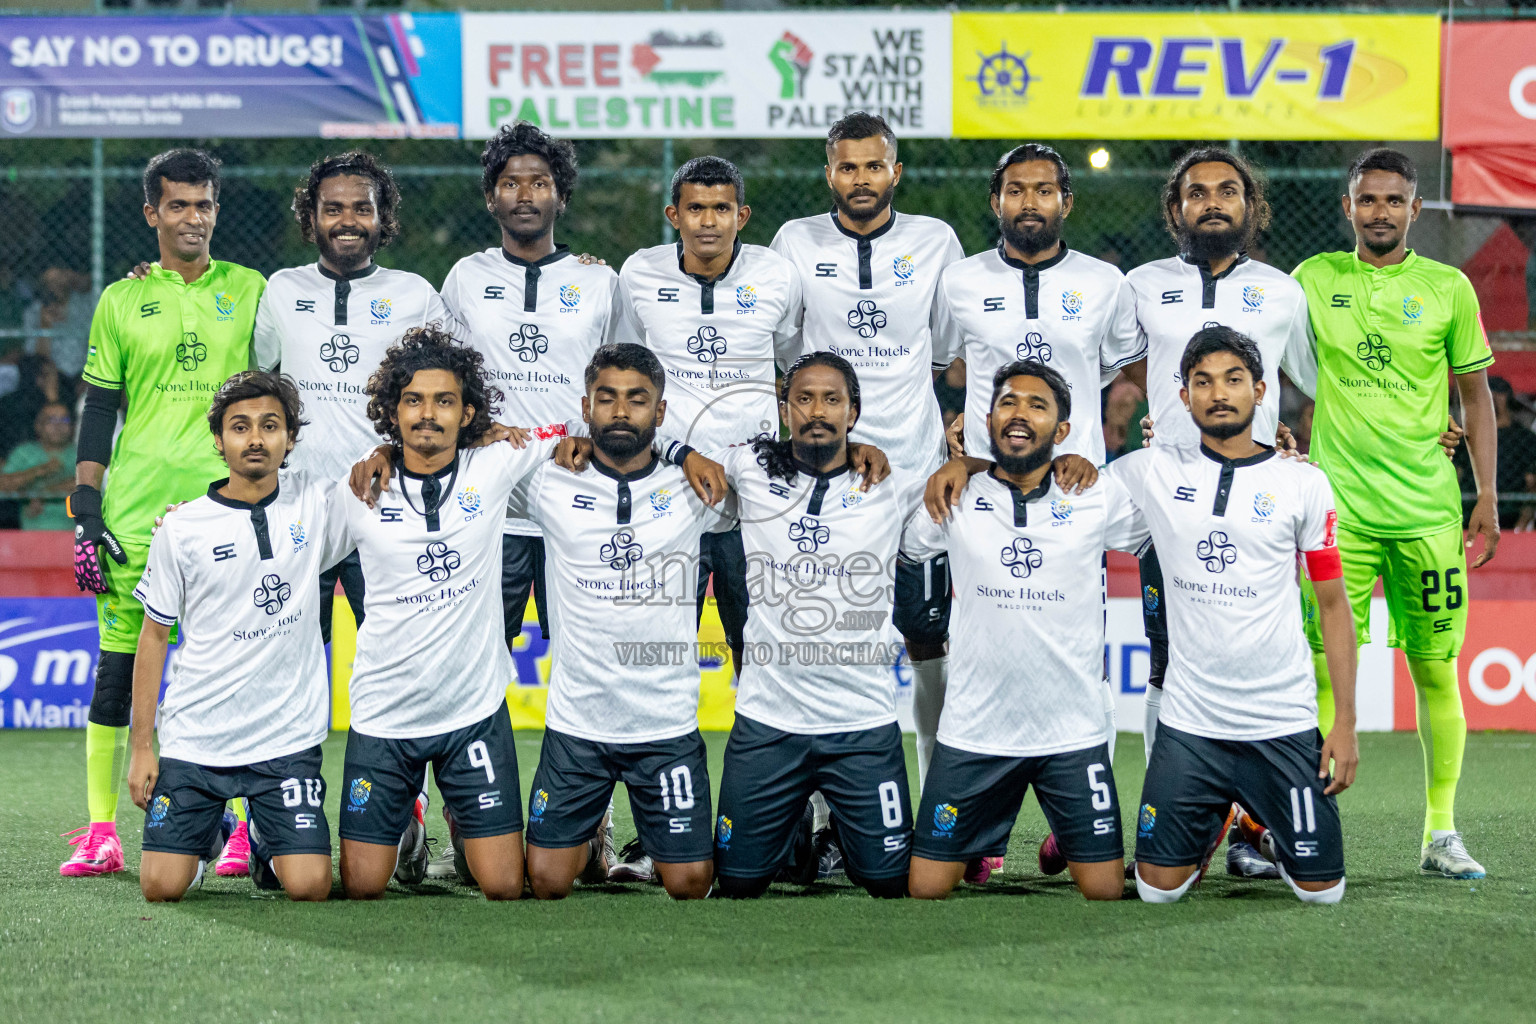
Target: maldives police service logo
{"x": 272, "y": 594}
{"x": 1263, "y": 507}
{"x": 707, "y": 345}
{"x": 866, "y": 319}
{"x": 1375, "y": 353}
{"x": 1253, "y": 299}
{"x": 438, "y": 562}
{"x": 904, "y": 267}
{"x": 1071, "y": 305}
{"x": 661, "y": 502}
{"x": 224, "y": 306}
{"x": 528, "y": 343}
{"x": 746, "y": 297}
{"x": 190, "y": 352}
{"x": 339, "y": 353}
{"x": 296, "y": 533}
{"x": 1021, "y": 557}
{"x": 723, "y": 827}
{"x": 1034, "y": 346}
{"x": 944, "y": 818}
{"x": 469, "y": 499}
{"x": 1413, "y": 309}
{"x": 159, "y": 809}
{"x": 621, "y": 550}
{"x": 808, "y": 535}
{"x": 1216, "y": 551}
{"x": 380, "y": 308}
{"x": 358, "y": 794}
{"x": 570, "y": 296}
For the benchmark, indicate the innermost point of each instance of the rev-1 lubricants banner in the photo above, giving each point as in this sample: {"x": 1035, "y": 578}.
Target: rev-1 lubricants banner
{"x": 342, "y": 77}
{"x": 702, "y": 73}
{"x": 1196, "y": 76}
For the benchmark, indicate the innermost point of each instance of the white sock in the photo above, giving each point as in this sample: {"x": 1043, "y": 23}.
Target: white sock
{"x": 1332, "y": 895}
{"x": 1152, "y": 894}
{"x": 1109, "y": 720}
{"x": 1149, "y": 724}
{"x": 821, "y": 814}
{"x": 930, "y": 678}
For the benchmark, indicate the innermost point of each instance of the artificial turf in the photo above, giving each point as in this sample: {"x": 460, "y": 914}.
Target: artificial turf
{"x": 1399, "y": 948}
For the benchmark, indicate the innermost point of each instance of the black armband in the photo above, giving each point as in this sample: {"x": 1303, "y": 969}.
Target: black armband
{"x": 97, "y": 424}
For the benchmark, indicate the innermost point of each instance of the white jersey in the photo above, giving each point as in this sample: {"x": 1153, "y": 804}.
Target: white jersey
{"x": 1227, "y": 535}
{"x": 329, "y": 334}
{"x": 621, "y": 579}
{"x": 537, "y": 324}
{"x": 717, "y": 339}
{"x": 870, "y": 299}
{"x": 1072, "y": 312}
{"x": 432, "y": 652}
{"x": 1175, "y": 298}
{"x": 1027, "y": 675}
{"x": 249, "y": 680}
{"x": 819, "y": 640}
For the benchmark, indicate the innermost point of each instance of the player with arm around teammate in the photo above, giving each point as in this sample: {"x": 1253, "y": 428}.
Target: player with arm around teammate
{"x": 248, "y": 702}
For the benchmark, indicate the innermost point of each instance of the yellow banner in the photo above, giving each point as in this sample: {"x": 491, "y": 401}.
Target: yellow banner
{"x": 1190, "y": 76}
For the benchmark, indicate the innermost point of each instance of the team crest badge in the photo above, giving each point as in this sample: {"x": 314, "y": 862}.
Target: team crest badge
{"x": 746, "y": 297}
{"x": 570, "y": 296}
{"x": 1253, "y": 299}
{"x": 945, "y": 816}
{"x": 359, "y": 792}
{"x": 380, "y": 308}
{"x": 224, "y": 304}
{"x": 904, "y": 267}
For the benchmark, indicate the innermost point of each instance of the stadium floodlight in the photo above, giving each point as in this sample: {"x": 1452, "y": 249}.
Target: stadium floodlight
{"x": 1099, "y": 159}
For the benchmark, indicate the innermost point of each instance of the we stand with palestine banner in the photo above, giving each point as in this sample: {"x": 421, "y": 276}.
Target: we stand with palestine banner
{"x": 706, "y": 74}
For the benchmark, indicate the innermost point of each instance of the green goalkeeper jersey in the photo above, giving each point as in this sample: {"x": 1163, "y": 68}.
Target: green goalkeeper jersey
{"x": 1387, "y": 341}
{"x": 169, "y": 345}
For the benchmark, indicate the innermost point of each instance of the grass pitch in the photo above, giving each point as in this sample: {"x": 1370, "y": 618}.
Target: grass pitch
{"x": 1400, "y": 948}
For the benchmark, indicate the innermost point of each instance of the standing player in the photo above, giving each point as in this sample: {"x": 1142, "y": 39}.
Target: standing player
{"x": 248, "y": 702}
{"x": 1025, "y": 703}
{"x": 816, "y": 709}
{"x": 869, "y": 276}
{"x": 1391, "y": 326}
{"x": 623, "y": 533}
{"x": 329, "y": 323}
{"x": 536, "y": 313}
{"x": 164, "y": 343}
{"x": 432, "y": 669}
{"x": 1239, "y": 715}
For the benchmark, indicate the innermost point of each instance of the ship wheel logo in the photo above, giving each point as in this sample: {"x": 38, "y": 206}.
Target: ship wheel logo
{"x": 1002, "y": 74}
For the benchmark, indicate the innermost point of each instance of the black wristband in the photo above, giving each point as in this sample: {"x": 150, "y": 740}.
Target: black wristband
{"x": 84, "y": 502}
{"x": 678, "y": 452}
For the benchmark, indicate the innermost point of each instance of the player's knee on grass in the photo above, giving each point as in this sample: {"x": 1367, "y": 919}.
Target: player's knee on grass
{"x": 1158, "y": 884}
{"x": 166, "y": 877}
{"x": 366, "y": 868}
{"x": 497, "y": 864}
{"x": 1102, "y": 880}
{"x": 894, "y": 888}
{"x": 933, "y": 879}
{"x": 112, "y": 700}
{"x": 306, "y": 877}
{"x": 552, "y": 873}
{"x": 688, "y": 881}
{"x": 734, "y": 888}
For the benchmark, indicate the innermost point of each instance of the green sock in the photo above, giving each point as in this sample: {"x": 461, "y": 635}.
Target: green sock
{"x": 1443, "y": 735}
{"x": 238, "y": 806}
{"x": 106, "y": 748}
{"x": 1324, "y": 692}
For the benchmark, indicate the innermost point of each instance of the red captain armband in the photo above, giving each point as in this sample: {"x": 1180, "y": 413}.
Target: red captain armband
{"x": 1324, "y": 564}
{"x": 548, "y": 431}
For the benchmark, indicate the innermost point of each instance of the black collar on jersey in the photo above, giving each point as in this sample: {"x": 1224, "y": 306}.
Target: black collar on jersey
{"x": 822, "y": 485}
{"x": 866, "y": 247}
{"x": 432, "y": 490}
{"x": 1031, "y": 274}
{"x": 258, "y": 513}
{"x": 1021, "y": 499}
{"x": 1208, "y": 280}
{"x": 343, "y": 287}
{"x": 1229, "y": 468}
{"x": 531, "y": 272}
{"x": 623, "y": 479}
{"x": 707, "y": 284}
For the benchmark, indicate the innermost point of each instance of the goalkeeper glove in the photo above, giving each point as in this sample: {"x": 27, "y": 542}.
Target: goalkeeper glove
{"x": 91, "y": 536}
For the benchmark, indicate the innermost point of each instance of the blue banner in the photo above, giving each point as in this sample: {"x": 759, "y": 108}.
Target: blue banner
{"x": 395, "y": 76}
{"x": 47, "y": 661}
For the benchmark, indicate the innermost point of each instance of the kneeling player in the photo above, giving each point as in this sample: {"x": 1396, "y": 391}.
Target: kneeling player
{"x": 1239, "y": 715}
{"x": 248, "y": 701}
{"x": 1025, "y": 705}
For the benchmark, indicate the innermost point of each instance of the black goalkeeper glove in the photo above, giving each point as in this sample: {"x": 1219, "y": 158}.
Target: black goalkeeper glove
{"x": 91, "y": 536}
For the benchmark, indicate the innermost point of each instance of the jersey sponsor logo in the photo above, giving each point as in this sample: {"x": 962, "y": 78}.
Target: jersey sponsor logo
{"x": 983, "y": 505}
{"x": 746, "y": 298}
{"x": 585, "y": 502}
{"x": 826, "y": 270}
{"x": 296, "y": 532}
{"x": 390, "y": 515}
{"x": 903, "y": 267}
{"x": 667, "y": 295}
{"x": 548, "y": 431}
{"x": 380, "y": 309}
{"x": 661, "y": 502}
{"x": 994, "y": 304}
{"x": 1184, "y": 494}
{"x": 621, "y": 550}
{"x": 438, "y": 562}
{"x": 708, "y": 345}
{"x": 149, "y": 309}
{"x": 1061, "y": 511}
{"x": 945, "y": 816}
{"x": 1020, "y": 557}
{"x": 158, "y": 810}
{"x": 1331, "y": 529}
{"x": 272, "y": 594}
{"x": 223, "y": 552}
{"x": 1253, "y": 299}
{"x": 528, "y": 343}
{"x": 1263, "y": 507}
{"x": 358, "y": 793}
{"x": 339, "y": 353}
{"x": 1146, "y": 821}
{"x": 223, "y": 306}
{"x": 808, "y": 534}
{"x": 723, "y": 828}
{"x": 304, "y": 305}
{"x": 1413, "y": 309}
{"x": 778, "y": 490}
{"x": 1340, "y": 301}
{"x": 866, "y": 318}
{"x": 494, "y": 292}
{"x": 1374, "y": 352}
{"x": 469, "y": 500}
{"x": 1072, "y": 305}
{"x": 570, "y": 296}
{"x": 1171, "y": 297}
{"x": 1217, "y": 551}
{"x": 190, "y": 352}
{"x": 1034, "y": 346}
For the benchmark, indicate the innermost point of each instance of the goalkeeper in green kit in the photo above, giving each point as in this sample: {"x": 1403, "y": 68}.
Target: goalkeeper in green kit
{"x": 165, "y": 342}
{"x": 1391, "y": 328}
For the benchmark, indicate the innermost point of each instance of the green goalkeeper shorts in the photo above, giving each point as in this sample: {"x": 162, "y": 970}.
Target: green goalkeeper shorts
{"x": 1425, "y": 581}
{"x": 119, "y": 615}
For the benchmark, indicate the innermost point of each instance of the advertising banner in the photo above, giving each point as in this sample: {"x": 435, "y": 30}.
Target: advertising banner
{"x": 1489, "y": 112}
{"x": 703, "y": 73}
{"x": 47, "y": 661}
{"x": 1196, "y": 76}
{"x": 341, "y": 77}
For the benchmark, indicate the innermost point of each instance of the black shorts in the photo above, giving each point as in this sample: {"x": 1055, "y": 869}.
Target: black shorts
{"x": 668, "y": 783}
{"x": 475, "y": 768}
{"x": 923, "y": 598}
{"x": 1192, "y": 780}
{"x": 350, "y": 572}
{"x": 770, "y": 774}
{"x": 723, "y": 555}
{"x": 971, "y": 801}
{"x": 1154, "y": 614}
{"x": 522, "y": 566}
{"x": 286, "y": 797}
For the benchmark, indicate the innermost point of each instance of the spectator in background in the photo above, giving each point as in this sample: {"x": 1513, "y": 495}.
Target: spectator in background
{"x": 64, "y": 309}
{"x": 27, "y": 383}
{"x": 1517, "y": 458}
{"x": 42, "y": 472}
